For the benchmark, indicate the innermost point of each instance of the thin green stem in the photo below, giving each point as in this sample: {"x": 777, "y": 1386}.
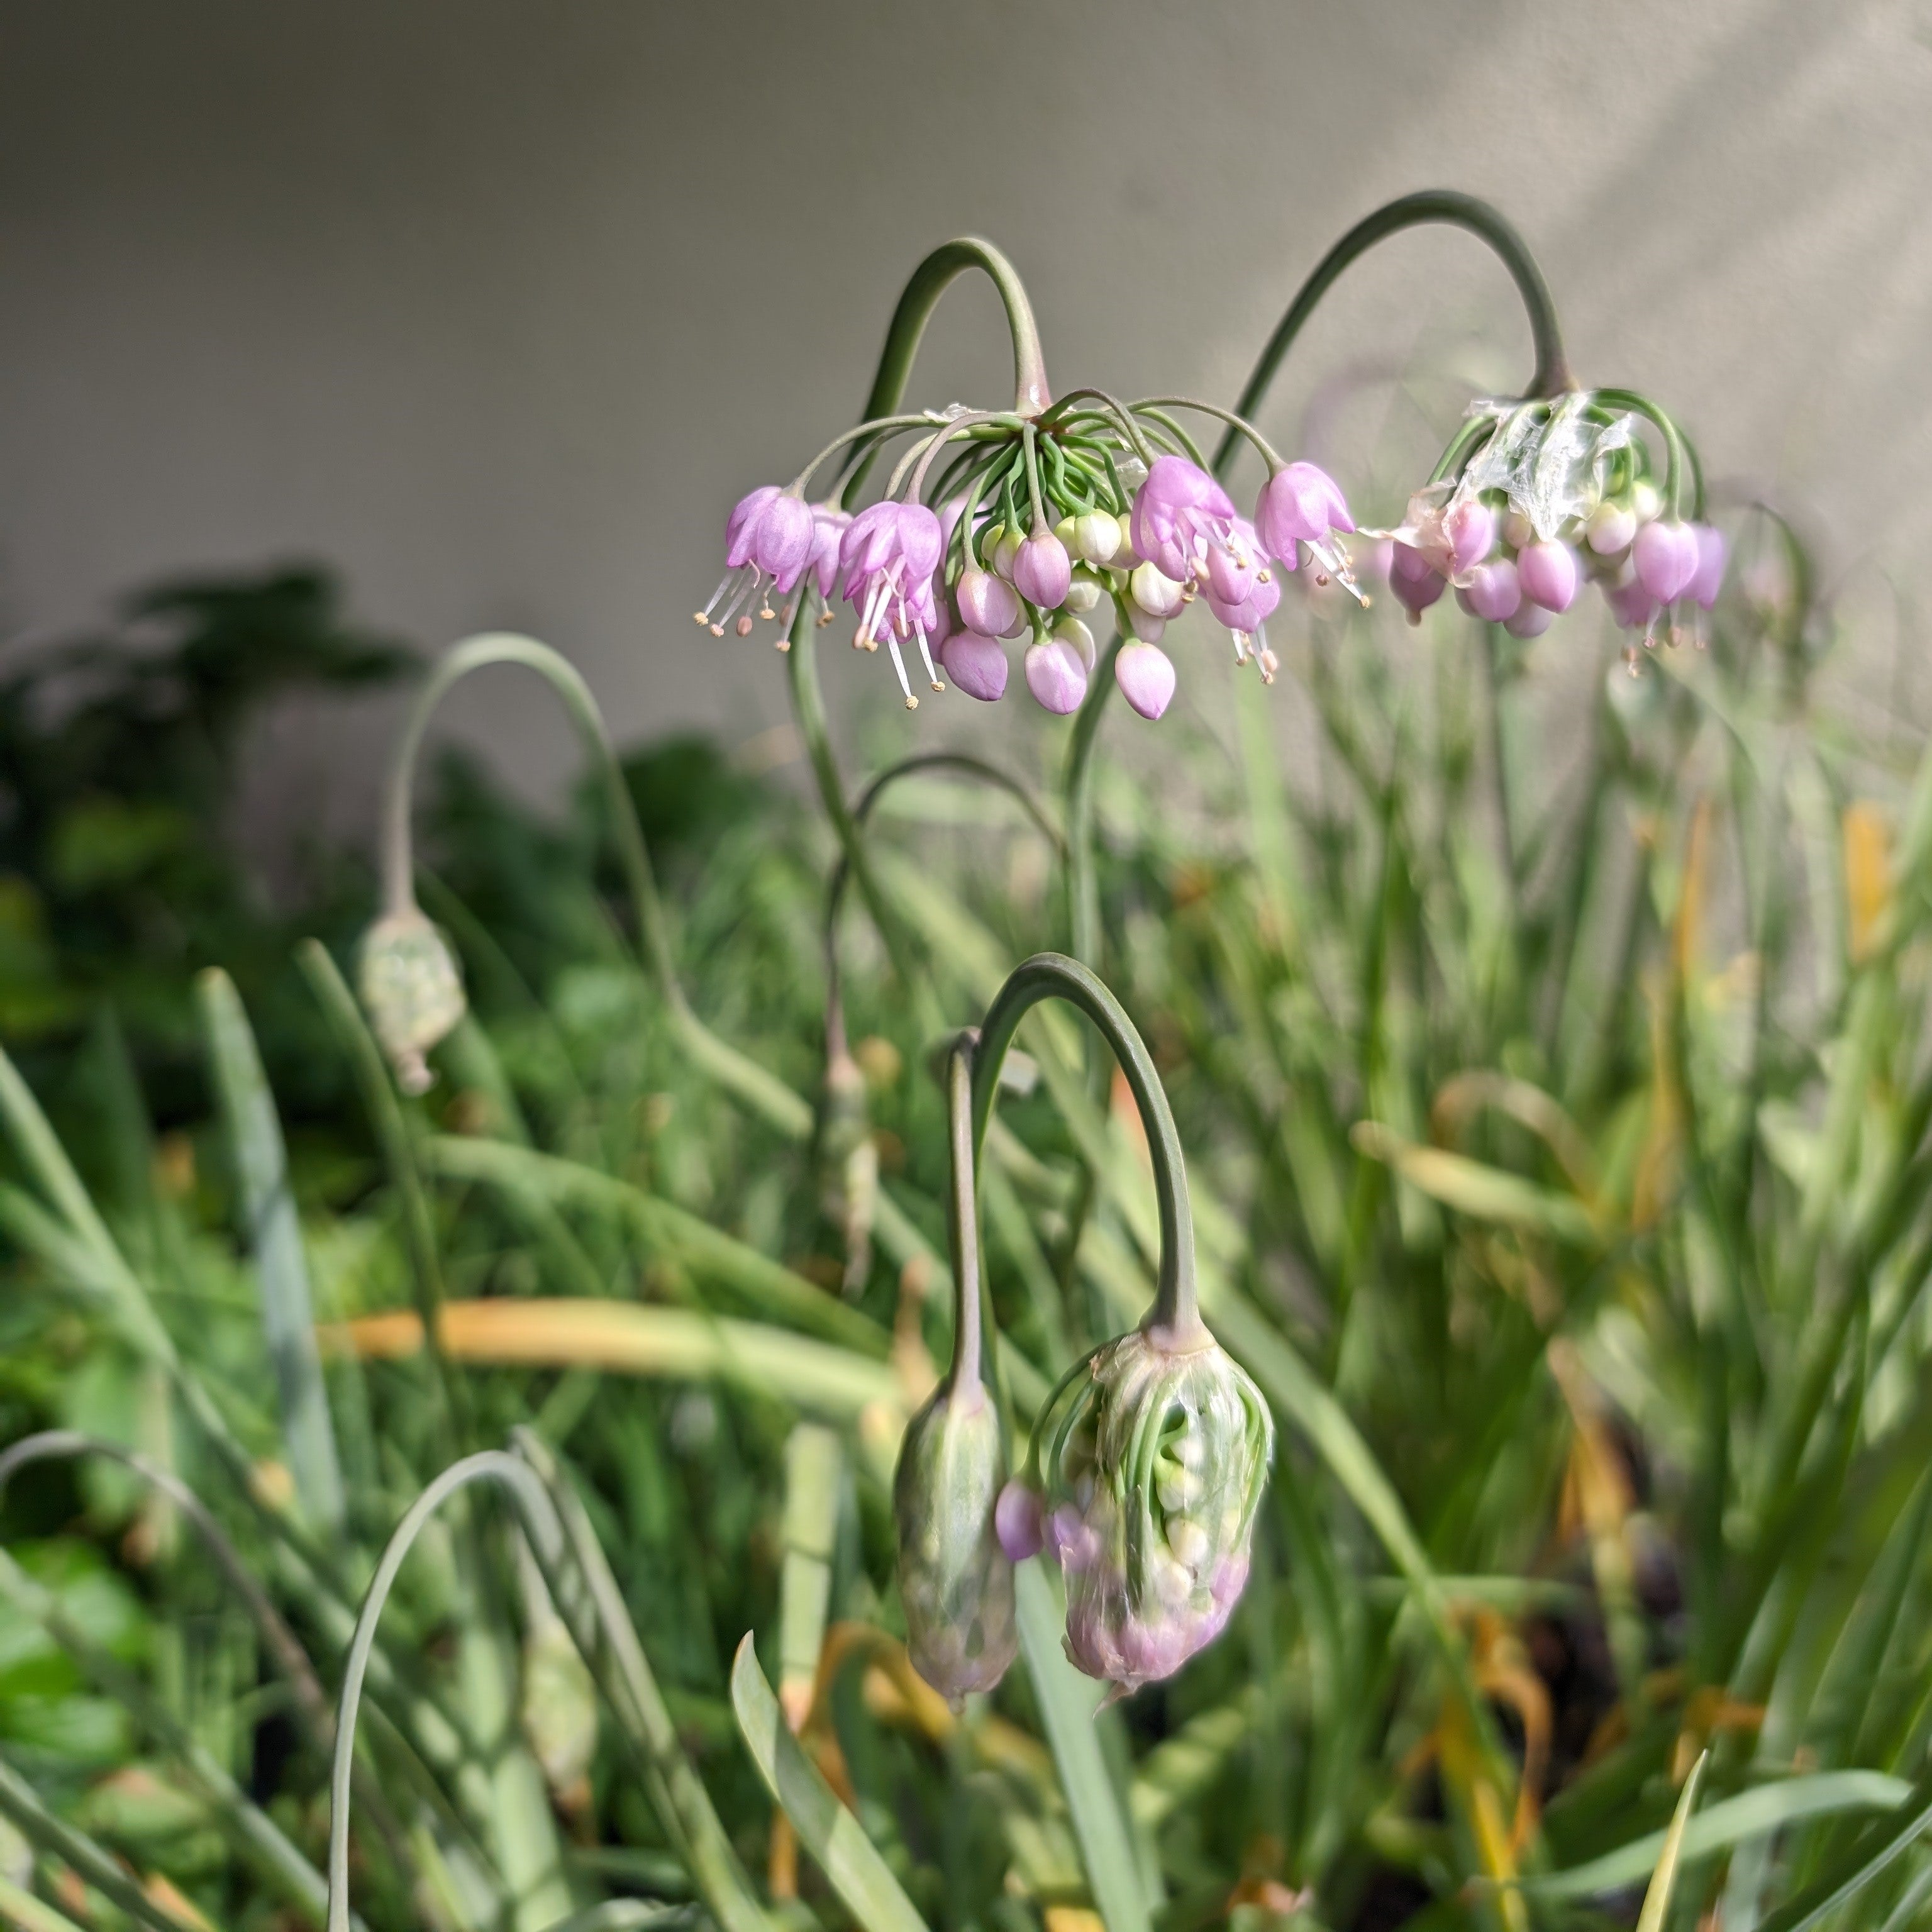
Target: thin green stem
{"x": 962, "y": 1221}
{"x": 1175, "y": 1313}
{"x": 767, "y": 1096}
{"x": 1681, "y": 464}
{"x": 1115, "y": 410}
{"x": 1238, "y": 425}
{"x": 1551, "y": 375}
{"x": 1083, "y": 888}
{"x": 884, "y": 427}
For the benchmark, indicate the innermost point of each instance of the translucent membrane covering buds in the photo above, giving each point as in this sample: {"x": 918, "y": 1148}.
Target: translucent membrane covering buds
{"x": 889, "y": 555}
{"x": 1152, "y": 1461}
{"x": 411, "y": 991}
{"x": 976, "y": 664}
{"x": 1145, "y": 675}
{"x": 1299, "y": 503}
{"x": 955, "y": 1581}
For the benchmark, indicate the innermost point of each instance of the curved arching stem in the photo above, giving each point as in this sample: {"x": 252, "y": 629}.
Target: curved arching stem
{"x": 841, "y": 871}
{"x": 1176, "y": 1314}
{"x": 770, "y": 1098}
{"x": 904, "y": 333}
{"x": 282, "y": 1645}
{"x": 1551, "y": 375}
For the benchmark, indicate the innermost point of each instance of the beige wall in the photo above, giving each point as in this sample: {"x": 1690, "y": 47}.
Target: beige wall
{"x": 497, "y": 306}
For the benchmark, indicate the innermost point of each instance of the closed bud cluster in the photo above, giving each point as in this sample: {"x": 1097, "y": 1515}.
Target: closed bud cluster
{"x": 411, "y": 991}
{"x": 955, "y": 1581}
{"x": 1151, "y": 1462}
{"x": 1559, "y": 493}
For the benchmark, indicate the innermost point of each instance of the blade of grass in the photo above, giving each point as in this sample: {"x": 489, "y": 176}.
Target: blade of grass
{"x": 835, "y": 1838}
{"x": 274, "y": 1235}
{"x": 814, "y": 1467}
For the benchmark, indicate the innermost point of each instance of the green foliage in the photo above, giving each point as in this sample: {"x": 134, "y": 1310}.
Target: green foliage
{"x": 1548, "y": 1053}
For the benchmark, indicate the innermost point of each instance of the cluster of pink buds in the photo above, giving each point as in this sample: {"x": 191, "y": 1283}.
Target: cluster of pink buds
{"x": 1532, "y": 500}
{"x": 1031, "y": 522}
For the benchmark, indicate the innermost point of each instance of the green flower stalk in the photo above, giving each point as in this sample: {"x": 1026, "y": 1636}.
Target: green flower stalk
{"x": 1148, "y": 1462}
{"x": 412, "y": 989}
{"x": 955, "y": 1581}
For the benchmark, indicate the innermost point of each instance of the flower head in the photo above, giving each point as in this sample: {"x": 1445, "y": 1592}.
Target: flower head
{"x": 1152, "y": 1458}
{"x": 1181, "y": 516}
{"x": 769, "y": 538}
{"x": 411, "y": 990}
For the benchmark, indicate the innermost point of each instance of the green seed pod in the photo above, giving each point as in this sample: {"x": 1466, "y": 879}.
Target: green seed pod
{"x": 411, "y": 990}
{"x": 1153, "y": 1459}
{"x": 955, "y": 1581}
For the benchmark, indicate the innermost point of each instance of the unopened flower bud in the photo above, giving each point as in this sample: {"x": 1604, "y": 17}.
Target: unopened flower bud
{"x": 1518, "y": 532}
{"x": 1469, "y": 528}
{"x": 1056, "y": 675}
{"x": 1042, "y": 570}
{"x": 1096, "y": 537}
{"x": 1145, "y": 675}
{"x": 1491, "y": 592}
{"x": 1153, "y": 1463}
{"x": 1610, "y": 529}
{"x": 411, "y": 991}
{"x": 988, "y": 604}
{"x": 1083, "y": 593}
{"x": 1004, "y": 548}
{"x": 1071, "y": 631}
{"x": 1148, "y": 629}
{"x": 1159, "y": 595}
{"x": 1125, "y": 555}
{"x": 1529, "y": 620}
{"x": 1646, "y": 505}
{"x": 1414, "y": 580}
{"x": 955, "y": 1581}
{"x": 976, "y": 664}
{"x": 1548, "y": 573}
{"x": 1632, "y": 605}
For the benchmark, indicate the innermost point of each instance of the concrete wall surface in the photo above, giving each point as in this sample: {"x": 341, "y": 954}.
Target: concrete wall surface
{"x": 497, "y": 305}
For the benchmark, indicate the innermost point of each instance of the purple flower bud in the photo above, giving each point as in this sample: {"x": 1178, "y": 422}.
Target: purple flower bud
{"x": 1548, "y": 573}
{"x": 1492, "y": 591}
{"x": 1666, "y": 556}
{"x": 1632, "y": 605}
{"x": 1469, "y": 528}
{"x": 1055, "y": 675}
{"x": 1180, "y": 514}
{"x": 976, "y": 664}
{"x": 1042, "y": 570}
{"x": 1019, "y": 1522}
{"x": 1414, "y": 580}
{"x": 1610, "y": 529}
{"x": 1299, "y": 503}
{"x": 1530, "y": 620}
{"x": 1711, "y": 552}
{"x": 1145, "y": 675}
{"x": 987, "y": 604}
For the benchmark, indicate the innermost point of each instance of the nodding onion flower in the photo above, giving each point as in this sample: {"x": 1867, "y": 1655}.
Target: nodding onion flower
{"x": 998, "y": 526}
{"x": 1531, "y": 499}
{"x": 1147, "y": 1463}
{"x": 956, "y": 1580}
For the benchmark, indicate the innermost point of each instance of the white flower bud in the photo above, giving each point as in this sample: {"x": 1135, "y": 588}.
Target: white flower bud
{"x": 1159, "y": 596}
{"x": 1096, "y": 537}
{"x": 1083, "y": 594}
{"x": 1646, "y": 504}
{"x": 1071, "y": 631}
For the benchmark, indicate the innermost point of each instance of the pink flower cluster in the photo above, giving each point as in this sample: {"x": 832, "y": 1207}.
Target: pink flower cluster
{"x": 1646, "y": 564}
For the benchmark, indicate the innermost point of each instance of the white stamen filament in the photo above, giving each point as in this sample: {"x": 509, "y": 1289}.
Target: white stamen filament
{"x": 925, "y": 651}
